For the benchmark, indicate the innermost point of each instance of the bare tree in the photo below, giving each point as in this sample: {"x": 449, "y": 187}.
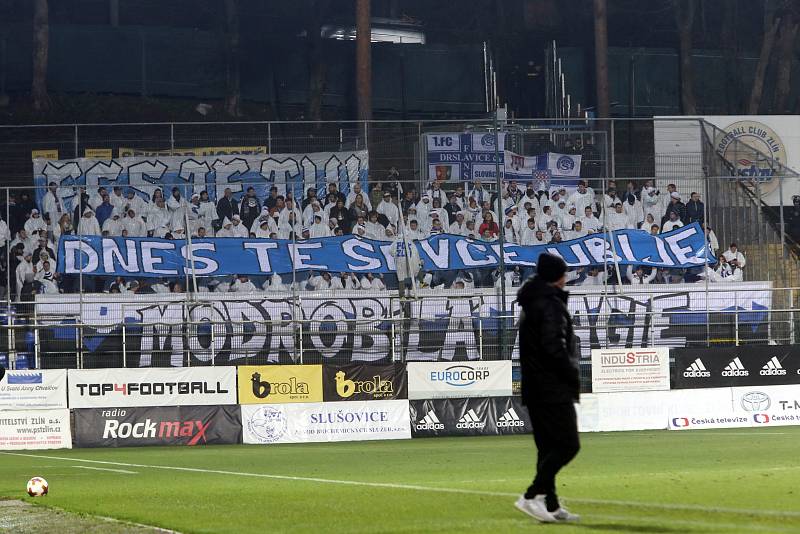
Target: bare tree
{"x": 363, "y": 60}
{"x": 761, "y": 67}
{"x": 784, "y": 60}
{"x": 684, "y": 20}
{"x": 41, "y": 38}
{"x": 601, "y": 57}
{"x": 233, "y": 96}
{"x": 317, "y": 64}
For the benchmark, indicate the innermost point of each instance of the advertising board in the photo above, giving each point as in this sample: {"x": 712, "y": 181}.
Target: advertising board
{"x": 437, "y": 380}
{"x": 359, "y": 382}
{"x": 180, "y": 386}
{"x": 274, "y": 384}
{"x": 485, "y": 416}
{"x": 35, "y": 429}
{"x": 747, "y": 365}
{"x": 34, "y": 389}
{"x": 630, "y": 369}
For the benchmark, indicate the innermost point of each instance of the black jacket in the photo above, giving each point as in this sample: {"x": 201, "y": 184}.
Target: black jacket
{"x": 547, "y": 348}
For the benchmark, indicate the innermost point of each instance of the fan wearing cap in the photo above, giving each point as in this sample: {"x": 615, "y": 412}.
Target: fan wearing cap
{"x": 675, "y": 206}
{"x": 550, "y": 384}
{"x": 238, "y": 229}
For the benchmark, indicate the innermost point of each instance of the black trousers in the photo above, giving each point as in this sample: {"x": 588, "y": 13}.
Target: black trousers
{"x": 555, "y": 431}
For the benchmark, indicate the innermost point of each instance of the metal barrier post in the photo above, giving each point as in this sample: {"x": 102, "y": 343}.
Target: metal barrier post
{"x": 35, "y": 340}
{"x": 791, "y": 316}
{"x": 78, "y": 339}
{"x": 213, "y": 339}
{"x": 124, "y": 345}
{"x": 300, "y": 324}
{"x": 480, "y": 338}
{"x": 736, "y": 322}
{"x": 394, "y": 339}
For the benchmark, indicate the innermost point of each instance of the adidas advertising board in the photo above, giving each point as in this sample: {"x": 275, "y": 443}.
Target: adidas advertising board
{"x": 173, "y": 425}
{"x": 125, "y": 388}
{"x": 630, "y": 369}
{"x": 35, "y": 429}
{"x": 362, "y": 382}
{"x": 325, "y": 421}
{"x": 438, "y": 380}
{"x": 747, "y": 365}
{"x": 469, "y": 417}
{"x": 275, "y": 384}
{"x": 750, "y": 407}
{"x": 33, "y": 389}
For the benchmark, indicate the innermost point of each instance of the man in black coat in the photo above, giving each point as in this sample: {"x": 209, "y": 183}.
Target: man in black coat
{"x": 550, "y": 384}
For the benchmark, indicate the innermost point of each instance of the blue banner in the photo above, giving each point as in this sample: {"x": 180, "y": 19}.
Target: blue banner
{"x": 194, "y": 174}
{"x": 151, "y": 257}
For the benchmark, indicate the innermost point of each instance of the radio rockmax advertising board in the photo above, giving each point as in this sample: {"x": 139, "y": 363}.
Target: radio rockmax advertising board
{"x": 437, "y": 380}
{"x": 325, "y": 421}
{"x": 172, "y": 425}
{"x": 121, "y": 388}
{"x": 749, "y": 365}
{"x": 275, "y": 384}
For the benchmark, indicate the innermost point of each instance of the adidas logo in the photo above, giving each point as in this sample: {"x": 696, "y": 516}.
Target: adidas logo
{"x": 772, "y": 367}
{"x": 430, "y": 422}
{"x": 510, "y": 419}
{"x": 696, "y": 370}
{"x": 735, "y": 368}
{"x": 470, "y": 420}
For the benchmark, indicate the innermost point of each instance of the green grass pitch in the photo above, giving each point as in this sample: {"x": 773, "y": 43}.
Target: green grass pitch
{"x": 737, "y": 480}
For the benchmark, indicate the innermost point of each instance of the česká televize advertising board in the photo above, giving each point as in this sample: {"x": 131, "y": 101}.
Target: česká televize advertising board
{"x": 277, "y": 384}
{"x": 630, "y": 369}
{"x": 125, "y": 388}
{"x": 329, "y": 421}
{"x": 751, "y": 406}
{"x": 171, "y": 425}
{"x": 438, "y": 380}
{"x": 35, "y": 429}
{"x": 34, "y": 389}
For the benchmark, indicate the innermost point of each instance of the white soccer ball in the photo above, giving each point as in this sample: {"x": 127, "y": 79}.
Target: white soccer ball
{"x": 37, "y": 487}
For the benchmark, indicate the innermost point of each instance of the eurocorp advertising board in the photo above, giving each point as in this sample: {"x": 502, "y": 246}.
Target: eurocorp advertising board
{"x": 275, "y": 384}
{"x": 124, "y": 388}
{"x": 34, "y": 389}
{"x": 749, "y": 365}
{"x": 360, "y": 382}
{"x": 173, "y": 425}
{"x": 35, "y": 429}
{"x": 325, "y": 421}
{"x": 437, "y": 380}
{"x": 630, "y": 369}
{"x": 750, "y": 407}
{"x": 469, "y": 417}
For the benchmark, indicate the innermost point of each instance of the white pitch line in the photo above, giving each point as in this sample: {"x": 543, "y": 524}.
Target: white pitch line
{"x": 390, "y": 485}
{"x": 106, "y": 469}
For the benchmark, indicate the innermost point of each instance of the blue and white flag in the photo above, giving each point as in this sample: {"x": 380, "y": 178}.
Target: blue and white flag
{"x": 194, "y": 174}
{"x": 160, "y": 258}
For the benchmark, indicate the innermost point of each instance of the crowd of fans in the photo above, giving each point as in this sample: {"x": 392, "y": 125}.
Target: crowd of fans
{"x": 532, "y": 213}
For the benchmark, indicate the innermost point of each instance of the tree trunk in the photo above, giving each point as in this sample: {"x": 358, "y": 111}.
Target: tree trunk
{"x": 234, "y": 94}
{"x": 601, "y": 57}
{"x": 363, "y": 60}
{"x": 684, "y": 20}
{"x": 317, "y": 66}
{"x": 41, "y": 38}
{"x": 784, "y": 62}
{"x": 761, "y": 67}
{"x": 729, "y": 44}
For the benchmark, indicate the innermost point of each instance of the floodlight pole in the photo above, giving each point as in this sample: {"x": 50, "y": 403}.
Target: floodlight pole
{"x": 501, "y": 236}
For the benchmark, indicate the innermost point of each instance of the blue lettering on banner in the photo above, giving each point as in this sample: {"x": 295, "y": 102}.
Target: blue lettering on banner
{"x": 150, "y": 257}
